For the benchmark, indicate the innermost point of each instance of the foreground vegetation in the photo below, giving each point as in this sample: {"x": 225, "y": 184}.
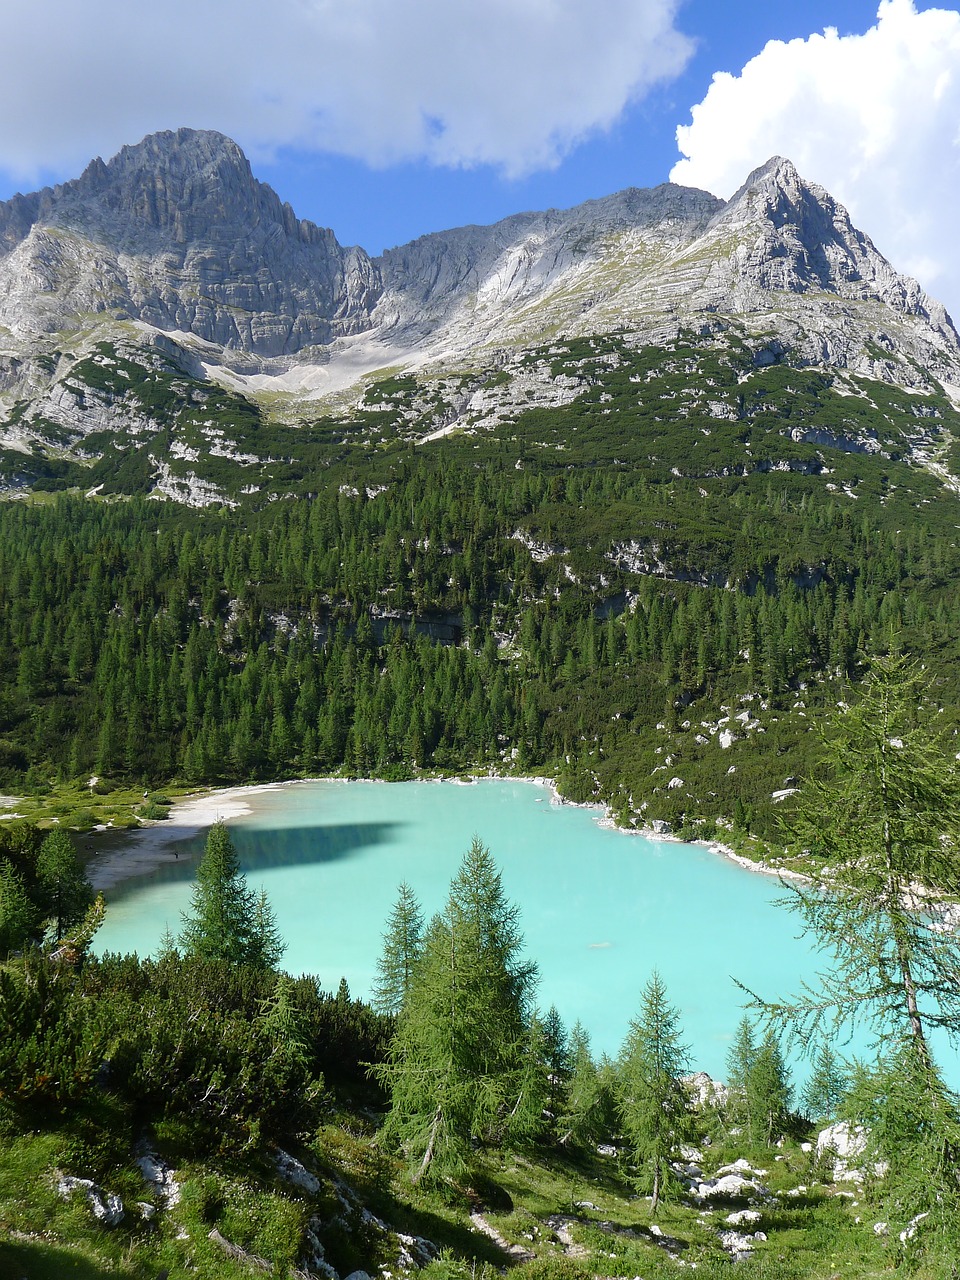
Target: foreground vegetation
{"x": 230, "y": 1119}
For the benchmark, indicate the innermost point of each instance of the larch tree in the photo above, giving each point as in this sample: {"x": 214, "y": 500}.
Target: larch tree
{"x": 586, "y": 1116}
{"x": 66, "y": 889}
{"x": 455, "y": 1069}
{"x": 828, "y": 1083}
{"x": 880, "y": 828}
{"x": 653, "y": 1103}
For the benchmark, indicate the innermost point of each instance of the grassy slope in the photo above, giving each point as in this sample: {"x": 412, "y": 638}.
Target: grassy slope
{"x": 545, "y": 1205}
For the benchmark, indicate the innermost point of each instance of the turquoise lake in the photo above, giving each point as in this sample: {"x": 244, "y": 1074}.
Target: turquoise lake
{"x": 600, "y": 909}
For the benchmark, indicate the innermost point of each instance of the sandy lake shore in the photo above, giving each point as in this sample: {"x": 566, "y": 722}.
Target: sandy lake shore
{"x": 139, "y": 851}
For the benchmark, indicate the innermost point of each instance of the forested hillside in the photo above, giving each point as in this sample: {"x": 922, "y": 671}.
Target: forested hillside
{"x": 663, "y": 579}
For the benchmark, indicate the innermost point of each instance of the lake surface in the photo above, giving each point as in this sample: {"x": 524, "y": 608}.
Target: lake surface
{"x": 600, "y": 909}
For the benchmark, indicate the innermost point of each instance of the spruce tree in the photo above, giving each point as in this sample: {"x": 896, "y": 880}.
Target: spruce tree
{"x": 741, "y": 1058}
{"x": 653, "y": 1104}
{"x": 402, "y": 948}
{"x": 769, "y": 1091}
{"x": 227, "y": 920}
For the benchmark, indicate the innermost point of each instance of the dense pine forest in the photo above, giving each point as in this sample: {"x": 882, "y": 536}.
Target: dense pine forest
{"x": 545, "y": 597}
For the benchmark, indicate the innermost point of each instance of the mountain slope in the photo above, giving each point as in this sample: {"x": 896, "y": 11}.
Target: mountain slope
{"x": 170, "y": 291}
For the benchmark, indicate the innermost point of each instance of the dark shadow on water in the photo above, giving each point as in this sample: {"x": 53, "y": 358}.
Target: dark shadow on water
{"x": 261, "y": 850}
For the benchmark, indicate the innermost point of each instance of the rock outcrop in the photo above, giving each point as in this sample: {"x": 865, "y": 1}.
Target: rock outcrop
{"x": 173, "y": 246}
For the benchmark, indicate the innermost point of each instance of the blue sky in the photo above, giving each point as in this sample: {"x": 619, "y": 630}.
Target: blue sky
{"x": 386, "y": 119}
{"x": 381, "y": 207}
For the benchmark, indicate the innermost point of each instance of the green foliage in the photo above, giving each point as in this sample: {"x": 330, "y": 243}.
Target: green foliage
{"x": 589, "y": 1111}
{"x": 826, "y": 1085}
{"x": 18, "y": 915}
{"x": 882, "y": 824}
{"x": 402, "y": 950}
{"x": 456, "y": 1066}
{"x": 51, "y": 1041}
{"x": 652, "y": 1101}
{"x": 227, "y": 921}
{"x": 678, "y": 575}
{"x": 556, "y": 1268}
{"x": 913, "y": 1126}
{"x": 66, "y": 890}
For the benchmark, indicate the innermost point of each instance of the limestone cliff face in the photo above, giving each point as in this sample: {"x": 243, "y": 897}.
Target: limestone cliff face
{"x": 175, "y": 236}
{"x": 177, "y": 233}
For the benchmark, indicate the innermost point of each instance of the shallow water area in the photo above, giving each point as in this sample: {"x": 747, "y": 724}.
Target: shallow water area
{"x": 600, "y": 909}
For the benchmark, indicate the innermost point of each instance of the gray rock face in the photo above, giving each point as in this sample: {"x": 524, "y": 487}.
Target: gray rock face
{"x": 430, "y": 280}
{"x": 174, "y": 236}
{"x": 176, "y": 232}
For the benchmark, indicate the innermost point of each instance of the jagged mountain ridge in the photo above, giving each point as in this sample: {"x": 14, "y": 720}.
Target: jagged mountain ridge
{"x": 178, "y": 234}
{"x": 187, "y": 266}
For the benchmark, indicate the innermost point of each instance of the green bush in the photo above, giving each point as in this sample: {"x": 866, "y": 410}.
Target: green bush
{"x": 153, "y": 812}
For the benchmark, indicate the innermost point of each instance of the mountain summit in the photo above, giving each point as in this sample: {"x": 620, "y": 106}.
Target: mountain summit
{"x": 174, "y": 250}
{"x": 177, "y": 233}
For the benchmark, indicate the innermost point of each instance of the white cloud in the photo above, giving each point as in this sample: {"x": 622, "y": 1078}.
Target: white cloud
{"x": 874, "y": 118}
{"x": 513, "y": 83}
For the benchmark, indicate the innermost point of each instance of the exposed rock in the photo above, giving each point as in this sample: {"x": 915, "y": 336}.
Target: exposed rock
{"x": 742, "y": 1218}
{"x": 740, "y": 1247}
{"x": 848, "y": 1142}
{"x": 704, "y": 1092}
{"x": 106, "y": 1207}
{"x": 516, "y": 1251}
{"x": 176, "y": 232}
{"x": 292, "y": 1171}
{"x": 159, "y": 1175}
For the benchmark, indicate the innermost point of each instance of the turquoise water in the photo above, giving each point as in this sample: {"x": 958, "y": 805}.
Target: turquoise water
{"x": 599, "y": 908}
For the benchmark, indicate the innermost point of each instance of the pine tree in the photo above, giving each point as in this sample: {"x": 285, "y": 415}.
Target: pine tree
{"x": 402, "y": 948}
{"x": 653, "y": 1103}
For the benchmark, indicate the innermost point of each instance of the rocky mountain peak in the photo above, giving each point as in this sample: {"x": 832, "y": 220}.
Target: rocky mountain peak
{"x": 183, "y": 185}
{"x": 794, "y": 237}
{"x": 177, "y": 232}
